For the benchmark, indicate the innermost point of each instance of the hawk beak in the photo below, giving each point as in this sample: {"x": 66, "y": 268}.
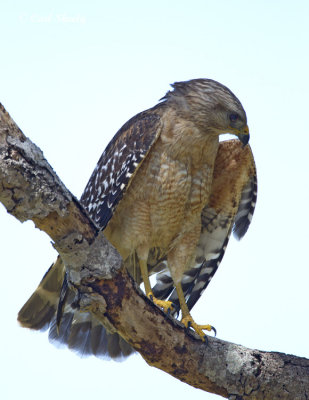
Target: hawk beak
{"x": 244, "y": 135}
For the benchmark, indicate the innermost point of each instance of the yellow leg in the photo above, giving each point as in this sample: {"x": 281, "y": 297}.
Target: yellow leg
{"x": 165, "y": 305}
{"x": 187, "y": 320}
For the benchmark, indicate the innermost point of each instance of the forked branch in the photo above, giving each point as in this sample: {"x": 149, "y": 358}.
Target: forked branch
{"x": 30, "y": 189}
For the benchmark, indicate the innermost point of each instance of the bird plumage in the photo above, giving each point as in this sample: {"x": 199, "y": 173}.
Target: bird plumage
{"x": 167, "y": 194}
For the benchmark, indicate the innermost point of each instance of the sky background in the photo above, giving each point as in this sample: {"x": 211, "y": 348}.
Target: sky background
{"x": 72, "y": 72}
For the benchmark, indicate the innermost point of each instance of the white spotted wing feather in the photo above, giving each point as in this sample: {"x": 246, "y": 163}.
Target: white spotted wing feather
{"x": 118, "y": 165}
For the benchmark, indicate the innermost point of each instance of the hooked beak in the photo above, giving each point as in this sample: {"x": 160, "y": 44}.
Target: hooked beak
{"x": 243, "y": 135}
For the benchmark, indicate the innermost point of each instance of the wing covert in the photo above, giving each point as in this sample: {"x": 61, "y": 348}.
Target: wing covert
{"x": 118, "y": 165}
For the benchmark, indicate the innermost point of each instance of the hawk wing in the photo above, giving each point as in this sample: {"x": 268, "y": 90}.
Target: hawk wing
{"x": 118, "y": 164}
{"x": 230, "y": 207}
{"x": 111, "y": 178}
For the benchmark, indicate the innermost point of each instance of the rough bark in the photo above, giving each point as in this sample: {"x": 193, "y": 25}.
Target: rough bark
{"x": 29, "y": 189}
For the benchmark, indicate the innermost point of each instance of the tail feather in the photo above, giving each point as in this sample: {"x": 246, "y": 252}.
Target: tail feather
{"x": 41, "y": 306}
{"x": 80, "y": 332}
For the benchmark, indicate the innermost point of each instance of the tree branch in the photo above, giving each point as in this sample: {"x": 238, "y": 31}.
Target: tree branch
{"x": 30, "y": 189}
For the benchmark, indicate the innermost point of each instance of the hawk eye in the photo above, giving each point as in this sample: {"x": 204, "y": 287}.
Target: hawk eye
{"x": 234, "y": 117}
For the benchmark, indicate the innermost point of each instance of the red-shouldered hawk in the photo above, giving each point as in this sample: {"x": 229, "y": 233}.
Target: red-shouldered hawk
{"x": 167, "y": 195}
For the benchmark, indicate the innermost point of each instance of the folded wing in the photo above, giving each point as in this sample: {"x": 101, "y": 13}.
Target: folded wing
{"x": 230, "y": 207}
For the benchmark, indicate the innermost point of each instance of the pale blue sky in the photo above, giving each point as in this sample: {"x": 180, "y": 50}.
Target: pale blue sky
{"x": 71, "y": 74}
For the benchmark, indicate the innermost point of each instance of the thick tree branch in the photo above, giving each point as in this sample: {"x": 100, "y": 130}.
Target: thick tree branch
{"x": 29, "y": 189}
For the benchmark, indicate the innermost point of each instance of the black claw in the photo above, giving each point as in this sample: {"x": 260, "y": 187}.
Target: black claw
{"x": 214, "y": 330}
{"x": 188, "y": 327}
{"x": 206, "y": 340}
{"x": 151, "y": 297}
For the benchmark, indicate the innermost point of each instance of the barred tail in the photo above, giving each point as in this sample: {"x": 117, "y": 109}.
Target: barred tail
{"x": 81, "y": 332}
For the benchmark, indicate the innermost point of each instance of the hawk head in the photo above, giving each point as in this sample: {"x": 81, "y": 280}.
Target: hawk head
{"x": 211, "y": 106}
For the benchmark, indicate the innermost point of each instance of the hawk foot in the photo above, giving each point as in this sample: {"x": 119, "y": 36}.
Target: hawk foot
{"x": 167, "y": 306}
{"x": 190, "y": 323}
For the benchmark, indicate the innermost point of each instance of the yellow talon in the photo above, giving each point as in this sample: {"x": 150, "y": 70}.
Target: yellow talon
{"x": 167, "y": 306}
{"x": 189, "y": 323}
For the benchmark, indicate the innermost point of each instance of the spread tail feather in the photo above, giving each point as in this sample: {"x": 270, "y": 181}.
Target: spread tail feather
{"x": 81, "y": 332}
